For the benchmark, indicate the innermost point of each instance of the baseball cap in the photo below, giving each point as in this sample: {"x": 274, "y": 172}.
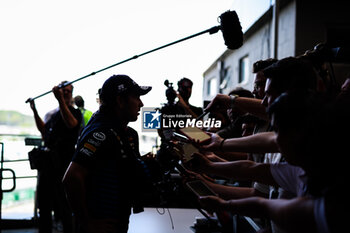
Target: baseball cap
{"x": 121, "y": 84}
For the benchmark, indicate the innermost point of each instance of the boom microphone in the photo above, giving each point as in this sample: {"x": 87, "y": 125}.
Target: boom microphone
{"x": 231, "y": 29}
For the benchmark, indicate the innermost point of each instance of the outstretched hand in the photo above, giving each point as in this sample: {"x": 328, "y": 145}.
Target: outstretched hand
{"x": 220, "y": 101}
{"x": 199, "y": 163}
{"x": 212, "y": 203}
{"x": 214, "y": 143}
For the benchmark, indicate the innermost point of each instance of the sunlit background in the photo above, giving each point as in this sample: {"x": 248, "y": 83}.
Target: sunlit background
{"x": 45, "y": 42}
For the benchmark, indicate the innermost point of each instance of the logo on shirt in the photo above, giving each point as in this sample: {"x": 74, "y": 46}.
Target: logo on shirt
{"x": 99, "y": 136}
{"x": 94, "y": 142}
{"x": 151, "y": 119}
{"x": 90, "y": 147}
{"x": 86, "y": 151}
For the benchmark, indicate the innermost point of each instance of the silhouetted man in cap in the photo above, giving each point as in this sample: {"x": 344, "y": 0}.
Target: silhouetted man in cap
{"x": 104, "y": 180}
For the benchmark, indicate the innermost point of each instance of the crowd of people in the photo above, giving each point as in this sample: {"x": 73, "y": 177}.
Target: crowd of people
{"x": 305, "y": 179}
{"x": 281, "y": 149}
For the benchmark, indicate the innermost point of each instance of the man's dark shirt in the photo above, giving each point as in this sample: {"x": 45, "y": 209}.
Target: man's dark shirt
{"x": 114, "y": 174}
{"x": 197, "y": 110}
{"x": 61, "y": 139}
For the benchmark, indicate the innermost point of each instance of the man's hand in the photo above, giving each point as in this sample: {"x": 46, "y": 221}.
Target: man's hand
{"x": 214, "y": 144}
{"x": 200, "y": 163}
{"x": 32, "y": 104}
{"x": 212, "y": 203}
{"x": 213, "y": 157}
{"x": 190, "y": 175}
{"x": 220, "y": 101}
{"x": 58, "y": 92}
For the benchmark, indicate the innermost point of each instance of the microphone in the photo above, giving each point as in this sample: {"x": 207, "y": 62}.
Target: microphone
{"x": 231, "y": 29}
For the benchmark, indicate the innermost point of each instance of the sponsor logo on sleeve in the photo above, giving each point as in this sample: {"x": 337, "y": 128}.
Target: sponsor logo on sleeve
{"x": 85, "y": 151}
{"x": 94, "y": 142}
{"x": 99, "y": 136}
{"x": 89, "y": 147}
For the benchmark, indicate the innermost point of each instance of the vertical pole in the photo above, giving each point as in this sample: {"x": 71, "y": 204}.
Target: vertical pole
{"x": 1, "y": 193}
{"x": 275, "y": 23}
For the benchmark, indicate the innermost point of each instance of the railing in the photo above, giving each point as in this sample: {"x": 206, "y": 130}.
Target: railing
{"x": 17, "y": 180}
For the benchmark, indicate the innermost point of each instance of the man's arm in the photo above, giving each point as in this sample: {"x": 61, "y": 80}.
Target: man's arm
{"x": 68, "y": 118}
{"x": 40, "y": 125}
{"x": 228, "y": 192}
{"x": 258, "y": 143}
{"x": 227, "y": 156}
{"x": 74, "y": 184}
{"x": 240, "y": 170}
{"x": 250, "y": 105}
{"x": 294, "y": 215}
{"x": 232, "y": 156}
{"x": 75, "y": 188}
{"x": 224, "y": 191}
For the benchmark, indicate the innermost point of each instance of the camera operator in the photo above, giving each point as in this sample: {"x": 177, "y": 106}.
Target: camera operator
{"x": 182, "y": 106}
{"x": 106, "y": 177}
{"x": 180, "y": 110}
{"x": 185, "y": 92}
{"x": 171, "y": 107}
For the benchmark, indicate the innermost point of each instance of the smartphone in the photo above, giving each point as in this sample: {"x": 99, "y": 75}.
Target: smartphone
{"x": 188, "y": 150}
{"x": 199, "y": 188}
{"x": 195, "y": 134}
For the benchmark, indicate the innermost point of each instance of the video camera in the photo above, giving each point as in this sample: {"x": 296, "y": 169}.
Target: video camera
{"x": 170, "y": 92}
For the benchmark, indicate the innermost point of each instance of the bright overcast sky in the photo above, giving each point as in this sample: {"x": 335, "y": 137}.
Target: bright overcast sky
{"x": 43, "y": 42}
